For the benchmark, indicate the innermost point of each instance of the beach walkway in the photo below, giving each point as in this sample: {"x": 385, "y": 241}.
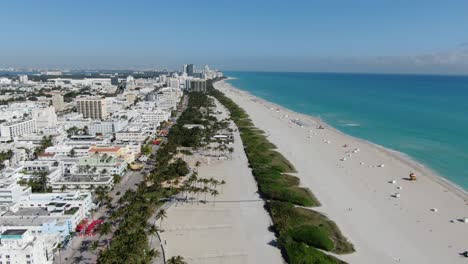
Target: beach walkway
{"x": 233, "y": 228}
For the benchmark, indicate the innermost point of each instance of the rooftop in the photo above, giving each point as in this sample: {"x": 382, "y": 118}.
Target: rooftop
{"x": 104, "y": 149}
{"x": 14, "y": 232}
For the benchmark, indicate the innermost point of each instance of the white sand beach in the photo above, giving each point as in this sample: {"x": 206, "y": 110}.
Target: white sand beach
{"x": 362, "y": 187}
{"x": 231, "y": 229}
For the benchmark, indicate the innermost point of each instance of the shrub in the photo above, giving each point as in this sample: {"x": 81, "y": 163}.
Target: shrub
{"x": 312, "y": 236}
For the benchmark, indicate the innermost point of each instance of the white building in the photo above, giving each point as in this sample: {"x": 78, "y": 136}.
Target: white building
{"x": 106, "y": 127}
{"x": 45, "y": 117}
{"x": 20, "y": 246}
{"x": 23, "y": 78}
{"x": 130, "y": 83}
{"x": 94, "y": 108}
{"x": 11, "y": 191}
{"x": 57, "y": 102}
{"x": 173, "y": 82}
{"x": 60, "y": 203}
{"x": 130, "y": 135}
{"x": 17, "y": 128}
{"x": 155, "y": 117}
{"x": 62, "y": 150}
{"x": 5, "y": 81}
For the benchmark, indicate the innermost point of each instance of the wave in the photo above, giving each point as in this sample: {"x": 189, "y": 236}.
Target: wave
{"x": 352, "y": 124}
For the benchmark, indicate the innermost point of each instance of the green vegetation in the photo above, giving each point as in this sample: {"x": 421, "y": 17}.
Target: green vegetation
{"x": 39, "y": 182}
{"x": 301, "y": 232}
{"x": 70, "y": 96}
{"x": 5, "y": 155}
{"x": 130, "y": 242}
{"x": 45, "y": 143}
{"x": 146, "y": 149}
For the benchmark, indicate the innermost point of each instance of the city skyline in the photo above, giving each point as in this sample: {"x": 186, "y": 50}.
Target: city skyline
{"x": 386, "y": 37}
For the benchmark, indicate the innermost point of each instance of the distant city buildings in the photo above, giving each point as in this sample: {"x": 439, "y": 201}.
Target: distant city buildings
{"x": 23, "y": 78}
{"x": 190, "y": 70}
{"x": 76, "y": 134}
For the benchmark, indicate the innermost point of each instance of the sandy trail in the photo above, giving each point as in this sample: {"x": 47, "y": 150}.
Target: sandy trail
{"x": 231, "y": 230}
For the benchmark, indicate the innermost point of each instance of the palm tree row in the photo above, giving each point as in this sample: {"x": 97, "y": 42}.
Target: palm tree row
{"x": 129, "y": 218}
{"x": 197, "y": 186}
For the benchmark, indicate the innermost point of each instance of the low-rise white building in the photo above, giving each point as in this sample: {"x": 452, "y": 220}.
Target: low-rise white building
{"x": 11, "y": 191}
{"x": 17, "y": 128}
{"x": 20, "y": 246}
{"x": 130, "y": 135}
{"x": 45, "y": 117}
{"x": 106, "y": 127}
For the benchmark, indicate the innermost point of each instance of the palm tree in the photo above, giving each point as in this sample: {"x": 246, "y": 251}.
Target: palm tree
{"x": 153, "y": 253}
{"x": 214, "y": 193}
{"x": 161, "y": 214}
{"x": 211, "y": 180}
{"x": 105, "y": 229}
{"x": 152, "y": 230}
{"x": 222, "y": 184}
{"x": 205, "y": 190}
{"x": 176, "y": 260}
{"x": 176, "y": 182}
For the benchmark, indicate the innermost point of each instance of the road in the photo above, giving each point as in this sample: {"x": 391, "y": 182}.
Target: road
{"x": 78, "y": 250}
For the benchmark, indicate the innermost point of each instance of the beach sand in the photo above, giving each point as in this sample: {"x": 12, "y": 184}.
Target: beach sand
{"x": 231, "y": 229}
{"x": 401, "y": 222}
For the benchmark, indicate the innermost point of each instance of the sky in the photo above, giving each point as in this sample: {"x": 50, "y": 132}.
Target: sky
{"x": 402, "y": 36}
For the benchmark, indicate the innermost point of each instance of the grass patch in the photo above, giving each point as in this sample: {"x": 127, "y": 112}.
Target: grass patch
{"x": 301, "y": 253}
{"x": 245, "y": 122}
{"x": 278, "y": 160}
{"x": 287, "y": 218}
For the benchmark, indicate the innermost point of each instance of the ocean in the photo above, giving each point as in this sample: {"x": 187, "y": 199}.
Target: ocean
{"x": 422, "y": 116}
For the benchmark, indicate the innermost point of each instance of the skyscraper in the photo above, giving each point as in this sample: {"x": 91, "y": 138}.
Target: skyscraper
{"x": 190, "y": 69}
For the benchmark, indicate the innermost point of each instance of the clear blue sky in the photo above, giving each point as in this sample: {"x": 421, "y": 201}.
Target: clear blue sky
{"x": 329, "y": 35}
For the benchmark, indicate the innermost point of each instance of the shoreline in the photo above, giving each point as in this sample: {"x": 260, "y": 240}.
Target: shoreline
{"x": 403, "y": 157}
{"x": 364, "y": 188}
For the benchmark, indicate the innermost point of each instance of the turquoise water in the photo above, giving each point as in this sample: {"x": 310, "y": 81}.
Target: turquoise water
{"x": 422, "y": 116}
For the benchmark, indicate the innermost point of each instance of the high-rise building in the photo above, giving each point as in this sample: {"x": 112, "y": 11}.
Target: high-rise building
{"x": 187, "y": 84}
{"x": 94, "y": 108}
{"x": 190, "y": 69}
{"x": 130, "y": 83}
{"x": 115, "y": 80}
{"x": 23, "y": 78}
{"x": 198, "y": 86}
{"x": 184, "y": 69}
{"x": 57, "y": 102}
